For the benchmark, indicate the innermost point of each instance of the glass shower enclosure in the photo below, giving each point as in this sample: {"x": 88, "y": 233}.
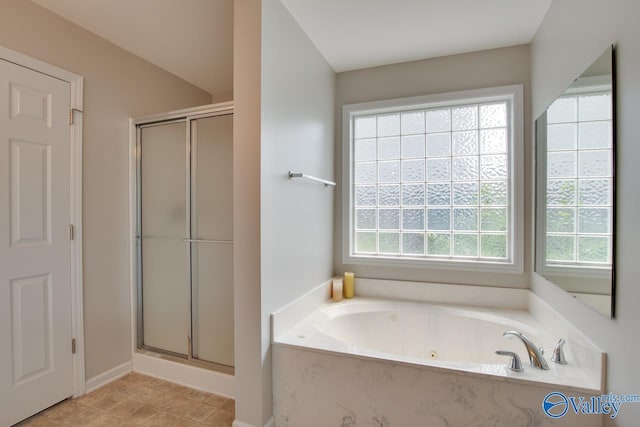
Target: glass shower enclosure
{"x": 185, "y": 238}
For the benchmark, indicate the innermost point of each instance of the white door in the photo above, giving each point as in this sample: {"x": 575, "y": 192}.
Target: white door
{"x": 35, "y": 252}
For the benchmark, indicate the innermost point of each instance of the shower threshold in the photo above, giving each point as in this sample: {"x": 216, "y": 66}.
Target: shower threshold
{"x": 186, "y": 360}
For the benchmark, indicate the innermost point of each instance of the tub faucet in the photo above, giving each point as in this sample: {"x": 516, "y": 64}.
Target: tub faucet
{"x": 535, "y": 354}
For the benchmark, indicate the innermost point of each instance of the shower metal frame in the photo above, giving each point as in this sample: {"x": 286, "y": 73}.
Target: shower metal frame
{"x": 183, "y": 116}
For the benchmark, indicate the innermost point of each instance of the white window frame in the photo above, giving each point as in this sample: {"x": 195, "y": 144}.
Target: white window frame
{"x": 512, "y": 94}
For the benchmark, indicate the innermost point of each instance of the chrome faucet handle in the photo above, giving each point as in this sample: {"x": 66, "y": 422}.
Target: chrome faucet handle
{"x": 514, "y": 364}
{"x": 558, "y": 352}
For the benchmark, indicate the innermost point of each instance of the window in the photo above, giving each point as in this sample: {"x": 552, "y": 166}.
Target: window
{"x": 433, "y": 180}
{"x": 579, "y": 187}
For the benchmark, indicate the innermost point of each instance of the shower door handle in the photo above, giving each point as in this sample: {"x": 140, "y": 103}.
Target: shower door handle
{"x": 225, "y": 242}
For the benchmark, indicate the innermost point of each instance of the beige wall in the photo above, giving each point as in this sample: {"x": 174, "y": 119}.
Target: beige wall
{"x": 246, "y": 207}
{"x": 572, "y": 35}
{"x": 477, "y": 70}
{"x": 118, "y": 85}
{"x": 283, "y": 120}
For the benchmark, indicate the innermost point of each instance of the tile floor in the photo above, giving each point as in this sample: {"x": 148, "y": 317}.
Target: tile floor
{"x": 139, "y": 400}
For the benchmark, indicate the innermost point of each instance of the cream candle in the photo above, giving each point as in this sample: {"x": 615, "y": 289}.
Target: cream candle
{"x": 348, "y": 284}
{"x": 336, "y": 289}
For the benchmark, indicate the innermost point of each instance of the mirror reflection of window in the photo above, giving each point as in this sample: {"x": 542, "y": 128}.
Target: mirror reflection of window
{"x": 580, "y": 178}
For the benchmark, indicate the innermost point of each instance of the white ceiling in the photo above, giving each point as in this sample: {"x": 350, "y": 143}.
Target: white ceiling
{"x": 192, "y": 39}
{"x": 354, "y": 34}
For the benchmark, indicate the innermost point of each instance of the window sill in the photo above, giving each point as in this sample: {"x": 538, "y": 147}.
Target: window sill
{"x": 483, "y": 266}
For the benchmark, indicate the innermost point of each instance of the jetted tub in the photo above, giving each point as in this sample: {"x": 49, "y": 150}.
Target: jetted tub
{"x": 444, "y": 336}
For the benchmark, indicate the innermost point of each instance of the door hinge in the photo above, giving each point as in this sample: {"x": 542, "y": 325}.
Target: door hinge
{"x": 72, "y": 232}
{"x": 71, "y": 111}
{"x": 73, "y": 346}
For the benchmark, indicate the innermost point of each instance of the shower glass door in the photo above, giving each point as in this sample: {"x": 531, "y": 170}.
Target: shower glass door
{"x": 185, "y": 236}
{"x": 212, "y": 239}
{"x": 163, "y": 224}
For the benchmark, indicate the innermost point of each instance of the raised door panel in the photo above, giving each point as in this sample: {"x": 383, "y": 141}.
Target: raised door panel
{"x": 31, "y": 327}
{"x": 30, "y": 166}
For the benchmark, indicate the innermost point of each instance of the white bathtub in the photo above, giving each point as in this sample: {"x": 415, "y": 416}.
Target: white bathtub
{"x": 442, "y": 335}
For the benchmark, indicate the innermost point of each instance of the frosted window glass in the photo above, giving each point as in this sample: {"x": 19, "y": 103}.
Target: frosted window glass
{"x": 493, "y": 141}
{"x": 366, "y": 195}
{"x": 465, "y": 168}
{"x": 463, "y": 118}
{"x": 561, "y": 248}
{"x": 388, "y": 125}
{"x": 465, "y": 245}
{"x": 389, "y": 148}
{"x": 413, "y": 195}
{"x": 389, "y": 171}
{"x": 412, "y": 146}
{"x": 465, "y": 143}
{"x": 389, "y": 195}
{"x": 365, "y": 127}
{"x": 439, "y": 194}
{"x": 493, "y": 193}
{"x": 593, "y": 220}
{"x": 365, "y": 173}
{"x": 595, "y": 135}
{"x": 561, "y": 164}
{"x": 438, "y": 120}
{"x": 563, "y": 110}
{"x": 412, "y": 170}
{"x": 438, "y": 169}
{"x": 595, "y": 192}
{"x": 438, "y": 244}
{"x": 366, "y": 219}
{"x": 443, "y": 170}
{"x": 389, "y": 243}
{"x": 413, "y": 243}
{"x": 563, "y": 136}
{"x": 594, "y": 107}
{"x": 465, "y": 194}
{"x": 493, "y": 115}
{"x": 365, "y": 149}
{"x": 594, "y": 249}
{"x": 438, "y": 219}
{"x": 465, "y": 219}
{"x": 438, "y": 144}
{"x": 594, "y": 163}
{"x": 561, "y": 192}
{"x": 413, "y": 122}
{"x": 389, "y": 219}
{"x": 366, "y": 242}
{"x": 413, "y": 219}
{"x": 561, "y": 220}
{"x": 493, "y": 167}
{"x": 579, "y": 179}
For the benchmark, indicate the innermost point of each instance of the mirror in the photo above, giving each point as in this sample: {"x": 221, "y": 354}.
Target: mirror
{"x": 575, "y": 209}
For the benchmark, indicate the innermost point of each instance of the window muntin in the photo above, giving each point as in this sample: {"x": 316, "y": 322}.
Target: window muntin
{"x": 433, "y": 182}
{"x": 580, "y": 180}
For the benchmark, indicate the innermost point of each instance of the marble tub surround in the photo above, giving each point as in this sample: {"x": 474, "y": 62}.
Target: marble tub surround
{"x": 463, "y": 307}
{"x": 316, "y": 389}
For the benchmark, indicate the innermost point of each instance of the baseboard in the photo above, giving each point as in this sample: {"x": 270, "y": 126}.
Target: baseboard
{"x": 270, "y": 423}
{"x": 180, "y": 373}
{"x": 106, "y": 377}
